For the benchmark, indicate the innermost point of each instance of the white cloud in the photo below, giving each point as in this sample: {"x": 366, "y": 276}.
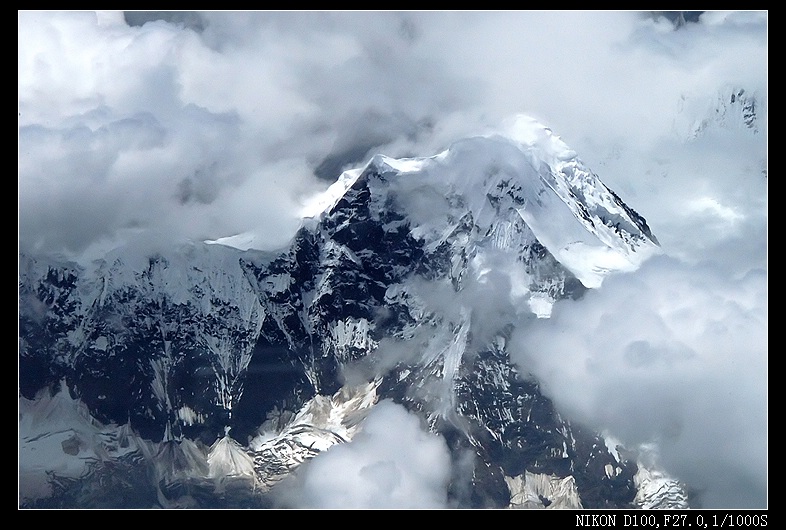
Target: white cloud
{"x": 391, "y": 463}
{"x": 307, "y": 90}
{"x": 674, "y": 355}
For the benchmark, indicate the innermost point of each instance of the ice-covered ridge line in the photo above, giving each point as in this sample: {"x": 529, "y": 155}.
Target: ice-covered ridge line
{"x": 623, "y": 247}
{"x": 58, "y": 435}
{"x": 326, "y": 200}
{"x": 524, "y": 167}
{"x": 401, "y": 165}
{"x": 192, "y": 273}
{"x": 321, "y": 203}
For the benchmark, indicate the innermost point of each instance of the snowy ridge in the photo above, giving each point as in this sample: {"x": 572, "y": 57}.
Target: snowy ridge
{"x": 327, "y": 200}
{"x": 227, "y": 458}
{"x": 539, "y": 491}
{"x": 526, "y": 169}
{"x": 59, "y": 436}
{"x": 657, "y": 490}
{"x": 193, "y": 273}
{"x": 321, "y": 423}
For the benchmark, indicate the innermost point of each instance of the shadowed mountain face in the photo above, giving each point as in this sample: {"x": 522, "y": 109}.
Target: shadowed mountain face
{"x": 407, "y": 285}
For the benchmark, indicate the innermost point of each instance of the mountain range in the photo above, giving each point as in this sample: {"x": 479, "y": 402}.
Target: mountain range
{"x": 207, "y": 375}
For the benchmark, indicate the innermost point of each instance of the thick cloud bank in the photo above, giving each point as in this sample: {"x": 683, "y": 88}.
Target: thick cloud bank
{"x": 674, "y": 356}
{"x": 160, "y": 127}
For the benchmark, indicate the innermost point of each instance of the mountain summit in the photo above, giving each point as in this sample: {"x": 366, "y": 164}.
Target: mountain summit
{"x": 405, "y": 282}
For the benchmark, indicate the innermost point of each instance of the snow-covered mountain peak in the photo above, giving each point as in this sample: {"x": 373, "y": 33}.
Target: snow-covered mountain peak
{"x": 522, "y": 172}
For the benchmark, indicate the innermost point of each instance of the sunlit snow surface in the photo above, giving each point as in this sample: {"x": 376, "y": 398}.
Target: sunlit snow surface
{"x": 538, "y": 491}
{"x": 523, "y": 167}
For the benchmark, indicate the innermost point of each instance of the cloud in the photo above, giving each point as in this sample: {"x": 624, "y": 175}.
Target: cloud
{"x": 210, "y": 108}
{"x": 391, "y": 463}
{"x": 212, "y": 104}
{"x": 674, "y": 355}
{"x": 153, "y": 129}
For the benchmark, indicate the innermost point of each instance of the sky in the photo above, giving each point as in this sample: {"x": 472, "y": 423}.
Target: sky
{"x": 157, "y": 128}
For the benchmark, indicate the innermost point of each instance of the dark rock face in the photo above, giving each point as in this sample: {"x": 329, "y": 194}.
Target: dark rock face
{"x": 186, "y": 348}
